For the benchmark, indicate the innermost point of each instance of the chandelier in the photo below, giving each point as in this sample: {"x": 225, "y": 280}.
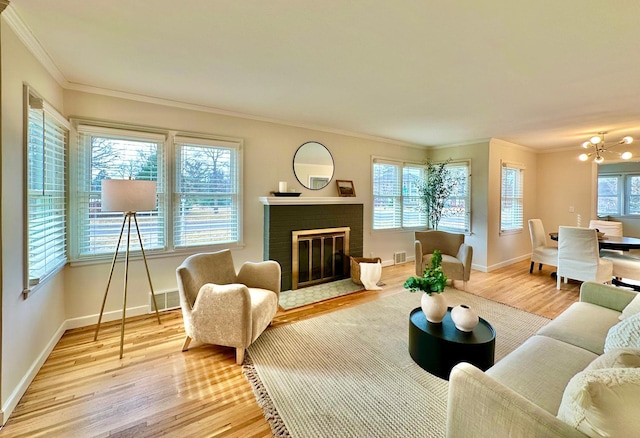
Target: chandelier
{"x": 600, "y": 147}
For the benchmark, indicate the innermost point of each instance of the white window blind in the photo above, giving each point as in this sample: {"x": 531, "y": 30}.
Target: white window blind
{"x": 396, "y": 195}
{"x": 46, "y": 155}
{"x": 387, "y": 199}
{"x": 511, "y": 203}
{"x": 456, "y": 215}
{"x": 206, "y": 198}
{"x": 105, "y": 153}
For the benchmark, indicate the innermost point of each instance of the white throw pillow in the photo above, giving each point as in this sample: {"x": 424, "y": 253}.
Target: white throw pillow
{"x": 617, "y": 358}
{"x": 632, "y": 308}
{"x": 625, "y": 334}
{"x": 603, "y": 403}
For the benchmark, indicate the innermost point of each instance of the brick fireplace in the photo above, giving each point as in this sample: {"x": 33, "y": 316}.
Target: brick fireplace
{"x": 283, "y": 216}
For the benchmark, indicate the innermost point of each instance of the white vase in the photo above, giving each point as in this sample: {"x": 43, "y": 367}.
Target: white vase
{"x": 434, "y": 307}
{"x": 464, "y": 318}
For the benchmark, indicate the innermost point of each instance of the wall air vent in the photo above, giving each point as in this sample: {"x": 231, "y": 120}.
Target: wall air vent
{"x": 167, "y": 300}
{"x": 399, "y": 257}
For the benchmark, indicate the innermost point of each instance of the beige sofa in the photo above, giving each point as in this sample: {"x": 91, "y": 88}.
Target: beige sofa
{"x": 521, "y": 394}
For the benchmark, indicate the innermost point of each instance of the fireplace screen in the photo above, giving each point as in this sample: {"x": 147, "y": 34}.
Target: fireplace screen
{"x": 319, "y": 256}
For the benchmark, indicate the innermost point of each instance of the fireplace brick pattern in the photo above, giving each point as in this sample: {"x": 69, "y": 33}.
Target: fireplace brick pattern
{"x": 281, "y": 220}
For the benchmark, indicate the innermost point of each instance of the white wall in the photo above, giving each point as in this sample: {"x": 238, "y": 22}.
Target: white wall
{"x": 29, "y": 327}
{"x": 503, "y": 250}
{"x": 565, "y": 182}
{"x": 268, "y": 156}
{"x": 479, "y": 155}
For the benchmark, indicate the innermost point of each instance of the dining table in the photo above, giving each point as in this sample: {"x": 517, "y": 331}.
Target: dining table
{"x": 618, "y": 243}
{"x": 621, "y": 243}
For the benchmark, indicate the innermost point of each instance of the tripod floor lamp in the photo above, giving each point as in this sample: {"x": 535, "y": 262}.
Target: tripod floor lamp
{"x": 128, "y": 196}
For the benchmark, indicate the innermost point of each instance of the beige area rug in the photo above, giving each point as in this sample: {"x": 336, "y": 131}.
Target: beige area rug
{"x": 349, "y": 374}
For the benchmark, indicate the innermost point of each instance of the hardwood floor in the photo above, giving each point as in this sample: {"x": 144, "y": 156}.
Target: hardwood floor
{"x": 84, "y": 390}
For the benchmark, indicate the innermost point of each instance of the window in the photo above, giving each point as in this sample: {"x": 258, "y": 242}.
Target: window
{"x": 456, "y": 216}
{"x": 511, "y": 202}
{"x": 397, "y": 202}
{"x": 46, "y": 156}
{"x": 619, "y": 194}
{"x": 609, "y": 195}
{"x": 633, "y": 194}
{"x": 116, "y": 154}
{"x": 198, "y": 196}
{"x": 206, "y": 196}
{"x": 396, "y": 196}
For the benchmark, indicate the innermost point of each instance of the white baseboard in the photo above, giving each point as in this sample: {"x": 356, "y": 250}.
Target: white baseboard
{"x": 84, "y": 321}
{"x": 21, "y": 388}
{"x": 508, "y": 262}
{"x": 18, "y": 392}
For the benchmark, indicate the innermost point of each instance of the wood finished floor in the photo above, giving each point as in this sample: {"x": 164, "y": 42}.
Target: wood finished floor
{"x": 85, "y": 390}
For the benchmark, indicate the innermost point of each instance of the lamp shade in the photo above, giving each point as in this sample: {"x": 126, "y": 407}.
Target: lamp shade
{"x": 128, "y": 195}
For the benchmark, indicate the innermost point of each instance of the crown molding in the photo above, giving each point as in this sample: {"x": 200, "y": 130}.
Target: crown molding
{"x": 33, "y": 45}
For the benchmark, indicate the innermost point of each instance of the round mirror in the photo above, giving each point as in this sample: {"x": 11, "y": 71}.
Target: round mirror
{"x": 313, "y": 165}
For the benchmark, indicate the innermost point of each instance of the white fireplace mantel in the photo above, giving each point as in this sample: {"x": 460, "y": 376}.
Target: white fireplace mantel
{"x": 301, "y": 200}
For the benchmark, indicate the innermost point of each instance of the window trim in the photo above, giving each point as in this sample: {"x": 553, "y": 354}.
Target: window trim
{"x": 623, "y": 193}
{"x": 468, "y": 212}
{"x": 521, "y": 168}
{"x": 169, "y": 177}
{"x": 49, "y": 112}
{"x": 402, "y": 163}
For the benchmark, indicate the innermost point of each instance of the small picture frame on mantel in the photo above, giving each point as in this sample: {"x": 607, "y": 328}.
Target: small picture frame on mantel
{"x": 345, "y": 188}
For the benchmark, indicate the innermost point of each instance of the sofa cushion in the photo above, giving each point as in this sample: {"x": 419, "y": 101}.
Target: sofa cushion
{"x": 603, "y": 402}
{"x": 625, "y": 334}
{"x": 632, "y": 308}
{"x": 540, "y": 369}
{"x": 617, "y": 358}
{"x": 584, "y": 325}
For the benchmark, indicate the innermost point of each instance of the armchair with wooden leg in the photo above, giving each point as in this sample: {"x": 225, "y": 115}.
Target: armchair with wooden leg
{"x": 224, "y": 308}
{"x": 456, "y": 255}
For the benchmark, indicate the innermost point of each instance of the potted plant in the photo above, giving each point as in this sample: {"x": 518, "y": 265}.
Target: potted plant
{"x": 438, "y": 185}
{"x": 432, "y": 283}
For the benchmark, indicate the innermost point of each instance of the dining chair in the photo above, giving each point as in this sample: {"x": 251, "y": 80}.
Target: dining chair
{"x": 541, "y": 252}
{"x": 579, "y": 258}
{"x": 609, "y": 228}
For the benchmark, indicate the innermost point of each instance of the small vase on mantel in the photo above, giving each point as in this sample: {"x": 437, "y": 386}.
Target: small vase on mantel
{"x": 434, "y": 307}
{"x": 464, "y": 318}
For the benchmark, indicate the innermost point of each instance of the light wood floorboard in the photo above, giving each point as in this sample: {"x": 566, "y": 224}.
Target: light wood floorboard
{"x": 85, "y": 390}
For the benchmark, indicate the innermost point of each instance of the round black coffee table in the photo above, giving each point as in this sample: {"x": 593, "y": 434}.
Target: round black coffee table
{"x": 439, "y": 347}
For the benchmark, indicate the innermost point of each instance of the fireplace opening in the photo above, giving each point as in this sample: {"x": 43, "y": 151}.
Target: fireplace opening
{"x": 319, "y": 256}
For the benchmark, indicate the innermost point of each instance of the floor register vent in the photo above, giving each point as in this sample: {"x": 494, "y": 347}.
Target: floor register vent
{"x": 167, "y": 300}
{"x": 399, "y": 257}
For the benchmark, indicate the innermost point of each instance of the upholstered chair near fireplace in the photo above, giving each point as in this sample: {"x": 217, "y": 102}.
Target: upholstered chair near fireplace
{"x": 456, "y": 255}
{"x": 224, "y": 308}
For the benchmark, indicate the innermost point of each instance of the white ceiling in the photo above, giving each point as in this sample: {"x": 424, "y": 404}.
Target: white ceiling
{"x": 544, "y": 74}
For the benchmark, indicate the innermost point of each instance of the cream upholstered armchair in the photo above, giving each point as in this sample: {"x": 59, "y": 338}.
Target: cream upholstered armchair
{"x": 456, "y": 255}
{"x": 224, "y": 308}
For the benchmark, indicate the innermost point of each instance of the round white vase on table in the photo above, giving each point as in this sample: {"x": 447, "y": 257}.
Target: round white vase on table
{"x": 464, "y": 318}
{"x": 434, "y": 307}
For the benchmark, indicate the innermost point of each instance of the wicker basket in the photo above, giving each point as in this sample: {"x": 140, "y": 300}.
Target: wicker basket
{"x": 355, "y": 267}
